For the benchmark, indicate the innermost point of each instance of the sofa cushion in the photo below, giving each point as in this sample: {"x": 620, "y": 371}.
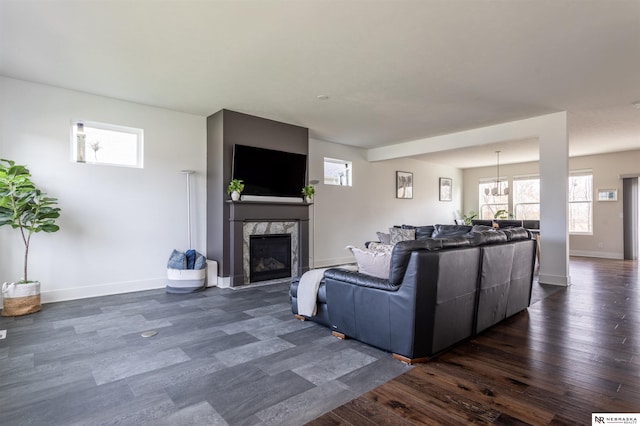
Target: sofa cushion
{"x": 481, "y": 234}
{"x": 486, "y": 222}
{"x": 509, "y": 223}
{"x": 516, "y": 234}
{"x": 372, "y": 262}
{"x": 449, "y": 242}
{"x": 399, "y": 234}
{"x": 450, "y": 230}
{"x": 422, "y": 232}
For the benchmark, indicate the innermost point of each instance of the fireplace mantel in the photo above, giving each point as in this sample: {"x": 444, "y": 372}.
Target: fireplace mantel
{"x": 242, "y": 210}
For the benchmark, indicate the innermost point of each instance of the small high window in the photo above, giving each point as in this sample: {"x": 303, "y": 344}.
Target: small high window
{"x": 337, "y": 172}
{"x": 100, "y": 143}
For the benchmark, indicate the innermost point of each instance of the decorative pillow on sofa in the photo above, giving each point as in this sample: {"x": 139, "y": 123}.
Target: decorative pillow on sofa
{"x": 384, "y": 238}
{"x": 370, "y": 262}
{"x": 422, "y": 232}
{"x": 398, "y": 235}
{"x": 385, "y": 248}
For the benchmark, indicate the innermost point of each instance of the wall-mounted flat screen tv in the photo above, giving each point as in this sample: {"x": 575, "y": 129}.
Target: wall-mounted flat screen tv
{"x": 269, "y": 172}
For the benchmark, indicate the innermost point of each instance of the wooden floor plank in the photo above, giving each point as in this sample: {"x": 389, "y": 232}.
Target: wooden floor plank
{"x": 575, "y": 352}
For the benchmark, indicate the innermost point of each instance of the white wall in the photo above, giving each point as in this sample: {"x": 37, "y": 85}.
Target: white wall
{"x": 607, "y": 240}
{"x": 118, "y": 225}
{"x": 352, "y": 215}
{"x": 608, "y": 237}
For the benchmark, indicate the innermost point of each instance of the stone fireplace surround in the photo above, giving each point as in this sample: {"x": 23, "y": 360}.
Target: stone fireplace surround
{"x": 268, "y": 228}
{"x": 261, "y": 218}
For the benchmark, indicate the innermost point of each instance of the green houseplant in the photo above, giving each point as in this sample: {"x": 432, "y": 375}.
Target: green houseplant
{"x": 469, "y": 217}
{"x": 308, "y": 192}
{"x": 236, "y": 186}
{"x": 26, "y": 208}
{"x": 503, "y": 214}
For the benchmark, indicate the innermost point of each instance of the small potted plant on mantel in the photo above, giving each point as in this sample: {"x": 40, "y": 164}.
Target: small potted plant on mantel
{"x": 26, "y": 208}
{"x": 236, "y": 186}
{"x": 308, "y": 192}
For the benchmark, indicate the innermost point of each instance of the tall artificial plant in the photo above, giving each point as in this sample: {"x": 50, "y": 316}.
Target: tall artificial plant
{"x": 25, "y": 207}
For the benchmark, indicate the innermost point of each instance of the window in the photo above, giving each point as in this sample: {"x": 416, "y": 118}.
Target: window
{"x": 99, "y": 143}
{"x": 580, "y": 202}
{"x": 490, "y": 204}
{"x": 526, "y": 200}
{"x": 337, "y": 172}
{"x": 526, "y": 197}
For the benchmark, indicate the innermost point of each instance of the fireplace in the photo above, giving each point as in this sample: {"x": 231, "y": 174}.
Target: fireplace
{"x": 269, "y": 257}
{"x": 270, "y": 250}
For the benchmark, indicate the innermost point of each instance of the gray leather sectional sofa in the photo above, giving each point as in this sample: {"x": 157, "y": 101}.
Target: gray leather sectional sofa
{"x": 441, "y": 290}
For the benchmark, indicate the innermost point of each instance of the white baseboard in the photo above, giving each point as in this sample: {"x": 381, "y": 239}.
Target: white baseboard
{"x": 224, "y": 282}
{"x": 601, "y": 254}
{"x": 102, "y": 290}
{"x": 559, "y": 280}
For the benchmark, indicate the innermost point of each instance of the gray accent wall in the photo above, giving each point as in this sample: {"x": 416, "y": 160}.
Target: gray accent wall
{"x": 225, "y": 129}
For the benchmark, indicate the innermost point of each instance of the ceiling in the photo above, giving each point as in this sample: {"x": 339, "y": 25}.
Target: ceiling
{"x": 393, "y": 71}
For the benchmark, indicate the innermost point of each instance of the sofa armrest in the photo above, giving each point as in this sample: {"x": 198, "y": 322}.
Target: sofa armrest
{"x": 362, "y": 280}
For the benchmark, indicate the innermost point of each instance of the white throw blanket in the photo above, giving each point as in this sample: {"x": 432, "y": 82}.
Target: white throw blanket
{"x": 308, "y": 289}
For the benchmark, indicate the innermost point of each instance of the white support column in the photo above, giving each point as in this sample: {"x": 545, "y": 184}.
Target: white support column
{"x": 554, "y": 197}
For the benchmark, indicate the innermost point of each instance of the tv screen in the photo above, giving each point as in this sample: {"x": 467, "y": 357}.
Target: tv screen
{"x": 269, "y": 172}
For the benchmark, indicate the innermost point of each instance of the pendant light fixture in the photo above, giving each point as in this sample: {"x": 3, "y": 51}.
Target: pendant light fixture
{"x": 497, "y": 190}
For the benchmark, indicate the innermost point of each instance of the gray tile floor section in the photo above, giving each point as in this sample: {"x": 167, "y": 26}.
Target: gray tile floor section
{"x": 220, "y": 357}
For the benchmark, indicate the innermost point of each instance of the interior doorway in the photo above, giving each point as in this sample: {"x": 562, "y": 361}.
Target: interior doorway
{"x": 630, "y": 207}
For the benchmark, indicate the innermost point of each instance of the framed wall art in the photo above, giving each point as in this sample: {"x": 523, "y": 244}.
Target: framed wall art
{"x": 446, "y": 189}
{"x": 404, "y": 185}
{"x": 607, "y": 195}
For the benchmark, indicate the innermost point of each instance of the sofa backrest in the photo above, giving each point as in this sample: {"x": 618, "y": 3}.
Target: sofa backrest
{"x": 509, "y": 223}
{"x": 516, "y": 234}
{"x": 457, "y": 236}
{"x": 485, "y": 222}
{"x": 441, "y": 231}
{"x": 481, "y": 234}
{"x": 401, "y": 253}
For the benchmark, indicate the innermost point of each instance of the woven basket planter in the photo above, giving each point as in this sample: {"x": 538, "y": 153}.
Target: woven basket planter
{"x": 20, "y": 299}
{"x": 185, "y": 280}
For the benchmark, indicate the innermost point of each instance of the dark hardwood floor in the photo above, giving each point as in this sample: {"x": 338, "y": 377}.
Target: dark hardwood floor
{"x": 570, "y": 354}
